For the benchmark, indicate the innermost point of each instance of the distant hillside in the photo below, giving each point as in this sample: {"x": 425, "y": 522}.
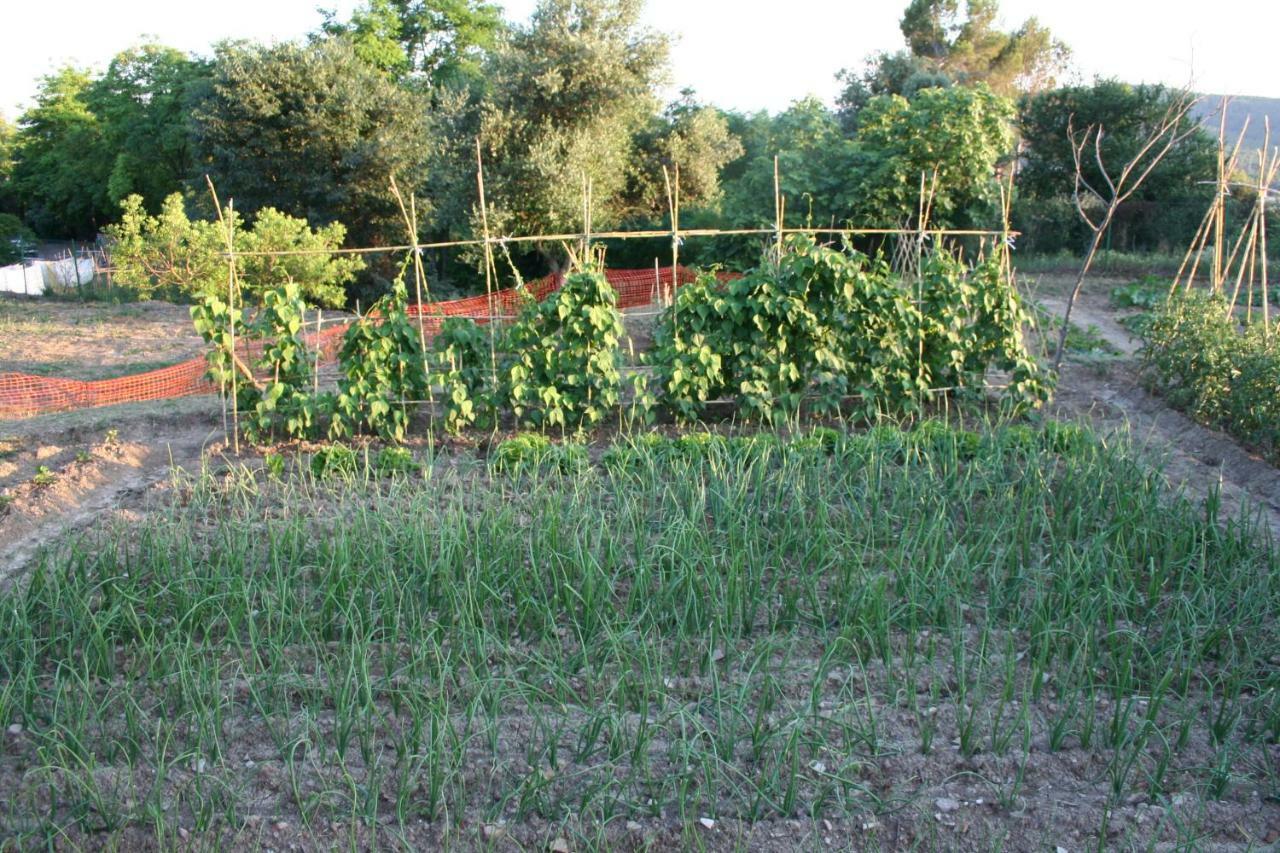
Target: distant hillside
{"x": 1255, "y": 110}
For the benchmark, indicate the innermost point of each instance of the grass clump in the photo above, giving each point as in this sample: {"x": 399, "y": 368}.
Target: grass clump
{"x": 335, "y": 460}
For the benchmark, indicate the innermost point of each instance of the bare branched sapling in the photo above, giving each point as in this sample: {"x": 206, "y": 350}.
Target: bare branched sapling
{"x": 1116, "y": 188}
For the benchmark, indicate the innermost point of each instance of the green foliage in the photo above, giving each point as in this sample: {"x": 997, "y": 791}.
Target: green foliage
{"x": 563, "y": 369}
{"x": 1148, "y": 292}
{"x": 689, "y": 348}
{"x": 946, "y": 46}
{"x": 335, "y": 460}
{"x": 395, "y": 460}
{"x": 88, "y": 143}
{"x": 285, "y": 401}
{"x": 141, "y": 104}
{"x": 273, "y": 464}
{"x": 528, "y": 453}
{"x": 821, "y": 325}
{"x": 568, "y": 93}
{"x": 14, "y": 238}
{"x": 312, "y": 131}
{"x": 463, "y": 359}
{"x": 441, "y": 41}
{"x": 59, "y": 176}
{"x": 520, "y": 451}
{"x": 384, "y": 371}
{"x": 171, "y": 252}
{"x": 687, "y": 136}
{"x": 281, "y": 403}
{"x": 1201, "y": 361}
{"x": 871, "y": 178}
{"x": 958, "y": 134}
{"x": 1163, "y": 212}
{"x": 43, "y": 476}
{"x": 1066, "y": 438}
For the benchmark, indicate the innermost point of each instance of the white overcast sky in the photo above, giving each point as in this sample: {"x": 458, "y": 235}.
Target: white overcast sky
{"x": 741, "y": 54}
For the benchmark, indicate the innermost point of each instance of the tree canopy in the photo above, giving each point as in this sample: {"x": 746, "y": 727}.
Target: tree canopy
{"x": 444, "y": 41}
{"x": 949, "y": 43}
{"x": 313, "y": 131}
{"x": 568, "y": 94}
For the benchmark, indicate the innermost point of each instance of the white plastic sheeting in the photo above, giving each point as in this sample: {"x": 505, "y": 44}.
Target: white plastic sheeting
{"x": 32, "y": 278}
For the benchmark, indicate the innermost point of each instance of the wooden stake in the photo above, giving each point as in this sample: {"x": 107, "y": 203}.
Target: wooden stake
{"x": 488, "y": 264}
{"x": 228, "y": 225}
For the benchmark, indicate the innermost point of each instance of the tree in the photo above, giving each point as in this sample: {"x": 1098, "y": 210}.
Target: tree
{"x": 568, "y": 94}
{"x": 8, "y": 147}
{"x": 812, "y": 163}
{"x": 141, "y": 105}
{"x": 946, "y": 46}
{"x": 444, "y": 41}
{"x": 313, "y": 131}
{"x": 59, "y": 177}
{"x": 691, "y": 137}
{"x": 14, "y": 237}
{"x": 953, "y": 137}
{"x": 1114, "y": 182}
{"x": 172, "y": 251}
{"x": 1164, "y": 210}
{"x": 1128, "y": 114}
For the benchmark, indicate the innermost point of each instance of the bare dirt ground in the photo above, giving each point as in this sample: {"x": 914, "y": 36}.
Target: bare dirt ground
{"x": 93, "y": 340}
{"x": 60, "y": 473}
{"x": 1109, "y": 394}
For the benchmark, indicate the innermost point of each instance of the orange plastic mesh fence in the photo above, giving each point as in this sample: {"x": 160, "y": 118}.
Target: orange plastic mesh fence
{"x": 24, "y": 395}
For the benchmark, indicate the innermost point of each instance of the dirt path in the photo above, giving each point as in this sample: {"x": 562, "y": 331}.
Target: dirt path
{"x": 1196, "y": 458}
{"x": 68, "y": 471}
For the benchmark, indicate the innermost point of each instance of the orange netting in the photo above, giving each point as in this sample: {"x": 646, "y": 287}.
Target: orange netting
{"x": 23, "y": 395}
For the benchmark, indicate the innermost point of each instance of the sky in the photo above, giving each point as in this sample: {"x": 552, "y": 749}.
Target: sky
{"x": 737, "y": 54}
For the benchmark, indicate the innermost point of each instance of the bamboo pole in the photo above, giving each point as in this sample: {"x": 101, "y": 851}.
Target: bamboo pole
{"x": 228, "y": 227}
{"x": 673, "y": 209}
{"x": 1266, "y": 177}
{"x": 410, "y": 216}
{"x": 777, "y": 210}
{"x": 488, "y": 265}
{"x": 626, "y": 235}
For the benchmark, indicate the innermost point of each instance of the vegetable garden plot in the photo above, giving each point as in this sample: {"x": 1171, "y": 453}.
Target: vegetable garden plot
{"x": 838, "y": 630}
{"x": 813, "y": 327}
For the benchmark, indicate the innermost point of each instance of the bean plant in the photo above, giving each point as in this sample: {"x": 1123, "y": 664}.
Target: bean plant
{"x": 821, "y": 325}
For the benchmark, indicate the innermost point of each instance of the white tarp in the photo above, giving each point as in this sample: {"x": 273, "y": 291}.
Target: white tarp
{"x": 31, "y": 278}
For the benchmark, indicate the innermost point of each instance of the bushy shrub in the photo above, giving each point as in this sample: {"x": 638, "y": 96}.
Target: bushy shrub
{"x": 394, "y": 460}
{"x": 530, "y": 452}
{"x": 336, "y": 460}
{"x": 171, "y": 252}
{"x": 1201, "y": 360}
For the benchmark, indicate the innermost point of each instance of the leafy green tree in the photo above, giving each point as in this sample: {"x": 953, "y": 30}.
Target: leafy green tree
{"x": 8, "y": 142}
{"x": 691, "y": 137}
{"x": 313, "y": 131}
{"x": 812, "y": 163}
{"x": 13, "y": 237}
{"x": 952, "y": 137}
{"x": 171, "y": 251}
{"x": 568, "y": 93}
{"x": 58, "y": 177}
{"x": 444, "y": 41}
{"x": 953, "y": 43}
{"x": 141, "y": 106}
